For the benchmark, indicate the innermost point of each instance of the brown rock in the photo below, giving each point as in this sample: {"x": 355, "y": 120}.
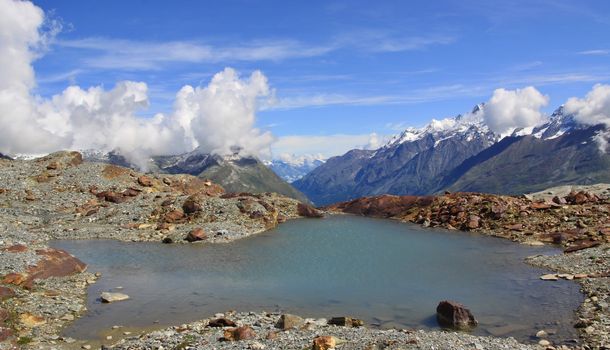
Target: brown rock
{"x": 53, "y": 166}
{"x": 450, "y": 314}
{"x": 145, "y": 181}
{"x": 195, "y": 235}
{"x": 288, "y": 321}
{"x": 474, "y": 222}
{"x": 271, "y": 335}
{"x": 173, "y": 216}
{"x": 346, "y": 322}
{"x": 131, "y": 192}
{"x": 5, "y": 333}
{"x": 540, "y": 206}
{"x": 6, "y": 293}
{"x": 54, "y": 263}
{"x": 31, "y": 321}
{"x": 239, "y": 333}
{"x": 559, "y": 200}
{"x": 17, "y": 248}
{"x": 384, "y": 206}
{"x": 308, "y": 211}
{"x": 221, "y": 322}
{"x": 191, "y": 205}
{"x": 112, "y": 197}
{"x": 582, "y": 244}
{"x": 324, "y": 342}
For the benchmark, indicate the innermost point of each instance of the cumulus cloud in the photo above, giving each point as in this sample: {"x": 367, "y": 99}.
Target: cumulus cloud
{"x": 221, "y": 116}
{"x": 594, "y": 109}
{"x": 508, "y": 110}
{"x": 218, "y": 118}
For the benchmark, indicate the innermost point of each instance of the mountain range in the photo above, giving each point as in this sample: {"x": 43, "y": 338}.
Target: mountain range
{"x": 463, "y": 154}
{"x": 293, "y": 168}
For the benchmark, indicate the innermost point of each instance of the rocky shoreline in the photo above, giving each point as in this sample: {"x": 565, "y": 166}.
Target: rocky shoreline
{"x": 60, "y": 197}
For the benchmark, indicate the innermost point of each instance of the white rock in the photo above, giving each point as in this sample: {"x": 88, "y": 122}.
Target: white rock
{"x": 544, "y": 342}
{"x": 108, "y": 297}
{"x": 541, "y": 334}
{"x": 549, "y": 277}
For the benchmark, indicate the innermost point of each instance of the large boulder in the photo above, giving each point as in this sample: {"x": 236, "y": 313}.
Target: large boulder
{"x": 454, "y": 315}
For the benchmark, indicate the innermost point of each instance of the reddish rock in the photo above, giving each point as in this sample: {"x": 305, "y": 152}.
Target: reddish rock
{"x": 112, "y": 197}
{"x": 195, "y": 235}
{"x": 145, "y": 181}
{"x": 450, "y": 314}
{"x": 540, "y": 206}
{"x": 239, "y": 333}
{"x": 383, "y": 206}
{"x": 53, "y": 263}
{"x": 6, "y": 293}
{"x": 308, "y": 211}
{"x": 173, "y": 216}
{"x": 221, "y": 322}
{"x": 191, "y": 205}
{"x": 346, "y": 322}
{"x": 324, "y": 342}
{"x": 17, "y": 248}
{"x": 582, "y": 244}
{"x": 514, "y": 227}
{"x": 131, "y": 192}
{"x": 474, "y": 222}
{"x": 5, "y": 333}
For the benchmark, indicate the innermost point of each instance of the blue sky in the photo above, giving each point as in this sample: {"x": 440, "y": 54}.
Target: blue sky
{"x": 337, "y": 67}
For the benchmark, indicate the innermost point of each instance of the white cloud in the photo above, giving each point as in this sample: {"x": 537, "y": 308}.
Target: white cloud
{"x": 511, "y": 109}
{"x": 217, "y": 118}
{"x": 326, "y": 145}
{"x": 136, "y": 55}
{"x": 594, "y": 108}
{"x": 595, "y": 52}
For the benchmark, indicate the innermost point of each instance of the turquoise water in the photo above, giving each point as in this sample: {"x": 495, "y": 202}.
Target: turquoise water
{"x": 388, "y": 273}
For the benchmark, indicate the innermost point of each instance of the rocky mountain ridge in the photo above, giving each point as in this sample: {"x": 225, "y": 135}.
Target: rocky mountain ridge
{"x": 234, "y": 172}
{"x": 463, "y": 154}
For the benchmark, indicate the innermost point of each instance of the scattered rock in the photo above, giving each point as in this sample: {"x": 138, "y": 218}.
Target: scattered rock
{"x": 288, "y": 321}
{"x": 221, "y": 322}
{"x": 346, "y": 322}
{"x": 239, "y": 333}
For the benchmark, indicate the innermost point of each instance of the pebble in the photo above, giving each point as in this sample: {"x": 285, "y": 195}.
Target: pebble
{"x": 544, "y": 342}
{"x": 541, "y": 334}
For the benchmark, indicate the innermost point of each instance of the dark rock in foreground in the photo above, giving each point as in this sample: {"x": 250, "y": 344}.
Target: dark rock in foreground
{"x": 454, "y": 315}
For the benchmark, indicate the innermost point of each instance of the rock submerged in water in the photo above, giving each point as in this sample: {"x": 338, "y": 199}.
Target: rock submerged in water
{"x": 450, "y": 314}
{"x": 108, "y": 297}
